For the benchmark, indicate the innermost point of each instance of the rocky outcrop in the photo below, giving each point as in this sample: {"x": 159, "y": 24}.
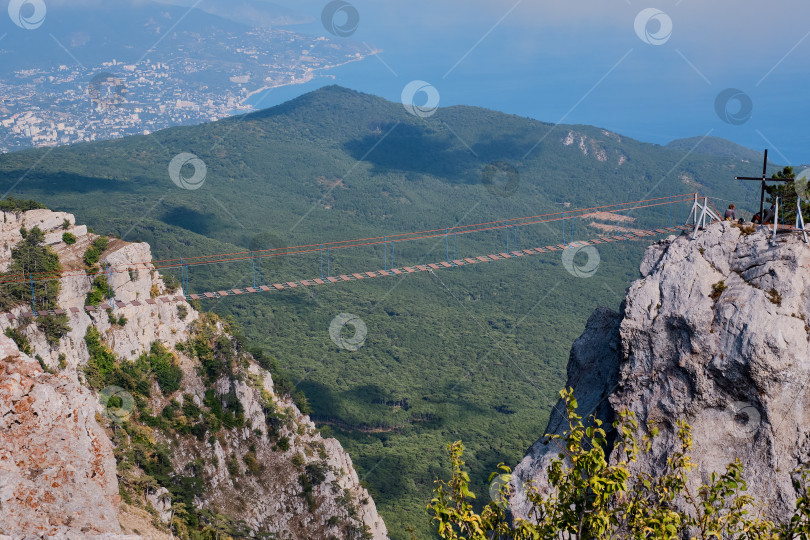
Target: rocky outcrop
{"x": 54, "y": 224}
{"x": 63, "y": 453}
{"x": 57, "y": 469}
{"x": 261, "y": 472}
{"x": 715, "y": 333}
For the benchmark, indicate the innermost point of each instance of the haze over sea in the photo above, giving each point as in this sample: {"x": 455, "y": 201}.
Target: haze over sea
{"x": 584, "y": 62}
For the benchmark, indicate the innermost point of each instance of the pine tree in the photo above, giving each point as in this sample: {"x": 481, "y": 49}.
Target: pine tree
{"x": 788, "y": 193}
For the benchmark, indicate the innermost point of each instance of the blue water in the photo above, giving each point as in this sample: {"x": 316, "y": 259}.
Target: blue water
{"x": 650, "y": 94}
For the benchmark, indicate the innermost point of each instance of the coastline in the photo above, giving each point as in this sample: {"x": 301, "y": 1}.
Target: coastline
{"x": 308, "y": 77}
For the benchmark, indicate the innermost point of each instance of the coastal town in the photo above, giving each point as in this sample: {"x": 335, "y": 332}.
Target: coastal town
{"x": 67, "y": 103}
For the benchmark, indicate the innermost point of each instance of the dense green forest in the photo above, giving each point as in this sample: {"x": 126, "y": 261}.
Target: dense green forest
{"x": 474, "y": 353}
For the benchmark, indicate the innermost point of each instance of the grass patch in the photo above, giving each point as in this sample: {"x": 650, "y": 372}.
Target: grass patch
{"x": 283, "y": 444}
{"x": 42, "y": 364}
{"x": 164, "y": 364}
{"x": 717, "y": 290}
{"x": 116, "y": 321}
{"x": 253, "y": 466}
{"x": 101, "y": 369}
{"x": 171, "y": 282}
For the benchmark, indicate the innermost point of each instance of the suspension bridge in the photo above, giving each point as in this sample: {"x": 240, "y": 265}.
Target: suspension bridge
{"x": 702, "y": 212}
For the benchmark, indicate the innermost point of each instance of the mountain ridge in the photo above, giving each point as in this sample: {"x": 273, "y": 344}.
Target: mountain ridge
{"x": 717, "y": 147}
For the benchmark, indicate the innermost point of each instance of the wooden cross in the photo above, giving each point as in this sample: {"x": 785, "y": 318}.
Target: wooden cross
{"x": 763, "y": 180}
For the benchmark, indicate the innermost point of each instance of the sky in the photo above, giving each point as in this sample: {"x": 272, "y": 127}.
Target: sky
{"x": 652, "y": 70}
{"x": 730, "y": 69}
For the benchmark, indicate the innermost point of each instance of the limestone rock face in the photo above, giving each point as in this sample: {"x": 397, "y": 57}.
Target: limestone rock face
{"x": 51, "y": 223}
{"x": 277, "y": 505}
{"x": 347, "y": 480}
{"x": 57, "y": 466}
{"x": 161, "y": 501}
{"x": 57, "y": 469}
{"x": 715, "y": 333}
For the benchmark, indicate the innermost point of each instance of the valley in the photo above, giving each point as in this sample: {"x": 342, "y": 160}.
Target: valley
{"x": 476, "y": 353}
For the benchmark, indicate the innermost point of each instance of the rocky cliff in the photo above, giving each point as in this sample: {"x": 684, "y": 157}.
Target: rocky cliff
{"x": 715, "y": 333}
{"x": 150, "y": 418}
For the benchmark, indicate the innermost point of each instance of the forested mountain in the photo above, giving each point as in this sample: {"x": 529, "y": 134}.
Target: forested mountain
{"x": 715, "y": 146}
{"x": 475, "y": 353}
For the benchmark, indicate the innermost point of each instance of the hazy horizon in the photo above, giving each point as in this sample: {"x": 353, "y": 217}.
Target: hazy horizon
{"x": 691, "y": 70}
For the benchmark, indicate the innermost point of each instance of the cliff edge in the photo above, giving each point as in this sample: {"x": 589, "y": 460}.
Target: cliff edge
{"x": 716, "y": 332}
{"x": 149, "y": 419}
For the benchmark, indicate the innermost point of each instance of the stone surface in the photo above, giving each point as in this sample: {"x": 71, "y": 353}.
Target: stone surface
{"x": 57, "y": 470}
{"x": 161, "y": 501}
{"x": 279, "y": 505}
{"x": 735, "y": 366}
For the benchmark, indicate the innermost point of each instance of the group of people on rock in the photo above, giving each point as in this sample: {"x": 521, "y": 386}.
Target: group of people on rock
{"x": 731, "y": 215}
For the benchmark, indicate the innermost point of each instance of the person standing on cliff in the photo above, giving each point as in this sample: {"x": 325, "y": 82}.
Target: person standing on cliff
{"x": 730, "y": 214}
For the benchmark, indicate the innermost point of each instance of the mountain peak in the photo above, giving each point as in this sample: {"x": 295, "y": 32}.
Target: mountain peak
{"x": 714, "y": 334}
